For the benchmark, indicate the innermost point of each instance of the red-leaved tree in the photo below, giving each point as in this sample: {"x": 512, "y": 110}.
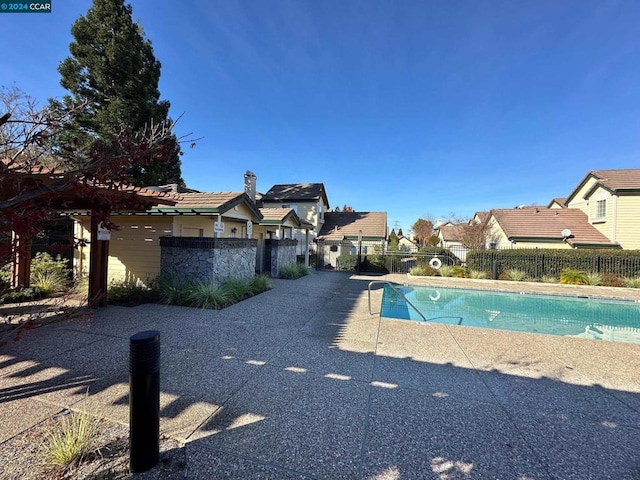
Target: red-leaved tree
{"x": 38, "y": 173}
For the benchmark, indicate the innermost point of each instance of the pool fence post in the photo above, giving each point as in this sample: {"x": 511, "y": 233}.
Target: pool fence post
{"x": 144, "y": 400}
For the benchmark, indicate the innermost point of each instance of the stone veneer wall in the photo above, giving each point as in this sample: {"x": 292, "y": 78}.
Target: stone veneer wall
{"x": 283, "y": 252}
{"x": 208, "y": 259}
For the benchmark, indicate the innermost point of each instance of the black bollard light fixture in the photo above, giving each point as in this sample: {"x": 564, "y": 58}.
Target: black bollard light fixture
{"x": 494, "y": 270}
{"x": 144, "y": 400}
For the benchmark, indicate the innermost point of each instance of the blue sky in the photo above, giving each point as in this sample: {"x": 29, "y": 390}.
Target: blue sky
{"x": 411, "y": 107}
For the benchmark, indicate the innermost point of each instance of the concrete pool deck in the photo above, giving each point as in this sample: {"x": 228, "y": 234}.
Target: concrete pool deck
{"x": 302, "y": 383}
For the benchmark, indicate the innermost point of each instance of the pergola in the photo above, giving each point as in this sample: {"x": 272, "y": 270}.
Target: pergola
{"x": 59, "y": 194}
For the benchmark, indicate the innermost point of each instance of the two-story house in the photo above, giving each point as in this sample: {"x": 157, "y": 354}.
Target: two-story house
{"x": 308, "y": 200}
{"x": 611, "y": 201}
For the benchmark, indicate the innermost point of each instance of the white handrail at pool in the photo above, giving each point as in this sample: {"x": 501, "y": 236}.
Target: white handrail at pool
{"x": 398, "y": 292}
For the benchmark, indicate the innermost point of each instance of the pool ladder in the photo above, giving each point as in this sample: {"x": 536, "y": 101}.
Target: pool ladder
{"x": 400, "y": 294}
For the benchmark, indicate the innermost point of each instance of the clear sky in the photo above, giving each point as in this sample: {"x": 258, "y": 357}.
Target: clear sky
{"x": 411, "y": 107}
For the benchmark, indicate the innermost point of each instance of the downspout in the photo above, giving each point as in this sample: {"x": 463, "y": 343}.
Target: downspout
{"x": 614, "y": 220}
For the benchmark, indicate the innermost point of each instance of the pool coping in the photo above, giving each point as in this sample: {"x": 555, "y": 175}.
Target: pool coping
{"x": 588, "y": 291}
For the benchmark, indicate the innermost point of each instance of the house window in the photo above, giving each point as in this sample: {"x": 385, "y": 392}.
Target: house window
{"x": 293, "y": 206}
{"x": 601, "y": 209}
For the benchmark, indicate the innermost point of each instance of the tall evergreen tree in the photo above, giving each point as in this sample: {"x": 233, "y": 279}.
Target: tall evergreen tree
{"x": 113, "y": 72}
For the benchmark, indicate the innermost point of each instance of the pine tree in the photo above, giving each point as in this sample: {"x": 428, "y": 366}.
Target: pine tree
{"x": 113, "y": 72}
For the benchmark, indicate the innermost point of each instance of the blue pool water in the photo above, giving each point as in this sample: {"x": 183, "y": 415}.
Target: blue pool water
{"x": 617, "y": 321}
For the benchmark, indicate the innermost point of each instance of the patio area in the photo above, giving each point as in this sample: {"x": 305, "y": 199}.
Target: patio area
{"x": 300, "y": 382}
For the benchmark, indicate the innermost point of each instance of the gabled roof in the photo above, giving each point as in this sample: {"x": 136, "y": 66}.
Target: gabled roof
{"x": 208, "y": 203}
{"x": 548, "y": 224}
{"x": 451, "y": 232}
{"x": 338, "y": 225}
{"x": 560, "y": 201}
{"x": 482, "y": 216}
{"x": 402, "y": 238}
{"x": 296, "y": 192}
{"x": 615, "y": 181}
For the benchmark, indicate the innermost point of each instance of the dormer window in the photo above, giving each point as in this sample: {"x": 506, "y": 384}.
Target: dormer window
{"x": 600, "y": 213}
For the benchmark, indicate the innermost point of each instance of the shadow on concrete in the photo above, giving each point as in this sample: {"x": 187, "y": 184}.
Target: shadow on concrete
{"x": 301, "y": 382}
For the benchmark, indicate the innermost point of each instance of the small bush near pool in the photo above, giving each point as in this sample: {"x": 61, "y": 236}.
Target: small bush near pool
{"x": 124, "y": 293}
{"x": 176, "y": 291}
{"x": 293, "y": 271}
{"x": 422, "y": 270}
{"x": 571, "y": 276}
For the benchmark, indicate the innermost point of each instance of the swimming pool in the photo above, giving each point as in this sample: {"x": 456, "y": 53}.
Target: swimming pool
{"x": 612, "y": 320}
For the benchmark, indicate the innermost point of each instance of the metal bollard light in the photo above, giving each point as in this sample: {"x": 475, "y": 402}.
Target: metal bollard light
{"x": 144, "y": 400}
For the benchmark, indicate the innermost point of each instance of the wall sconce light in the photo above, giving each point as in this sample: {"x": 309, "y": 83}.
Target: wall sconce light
{"x": 233, "y": 231}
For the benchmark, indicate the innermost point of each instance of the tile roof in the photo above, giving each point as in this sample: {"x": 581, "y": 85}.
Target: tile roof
{"x": 562, "y": 201}
{"x": 612, "y": 180}
{"x": 338, "y": 225}
{"x": 211, "y": 202}
{"x": 279, "y": 216}
{"x": 295, "y": 192}
{"x": 548, "y": 223}
{"x": 207, "y": 200}
{"x": 452, "y": 233}
{"x": 615, "y": 180}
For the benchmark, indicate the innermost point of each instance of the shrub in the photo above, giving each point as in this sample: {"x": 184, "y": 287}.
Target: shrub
{"x": 127, "y": 293}
{"x": 236, "y": 288}
{"x": 459, "y": 271}
{"x": 514, "y": 275}
{"x": 5, "y": 277}
{"x": 549, "y": 279}
{"x": 72, "y": 441}
{"x": 293, "y": 271}
{"x": 540, "y": 262}
{"x": 571, "y": 276}
{"x": 611, "y": 280}
{"x": 44, "y": 263}
{"x": 594, "y": 279}
{"x": 22, "y": 295}
{"x": 172, "y": 290}
{"x": 423, "y": 270}
{"x": 478, "y": 274}
{"x": 347, "y": 262}
{"x": 259, "y": 284}
{"x": 374, "y": 264}
{"x": 446, "y": 271}
{"x": 631, "y": 282}
{"x": 51, "y": 276}
{"x": 208, "y": 295}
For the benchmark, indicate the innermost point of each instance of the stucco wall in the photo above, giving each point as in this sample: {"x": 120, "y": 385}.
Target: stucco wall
{"x": 206, "y": 259}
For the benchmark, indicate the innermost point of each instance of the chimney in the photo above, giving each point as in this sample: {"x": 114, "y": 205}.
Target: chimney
{"x": 250, "y": 185}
